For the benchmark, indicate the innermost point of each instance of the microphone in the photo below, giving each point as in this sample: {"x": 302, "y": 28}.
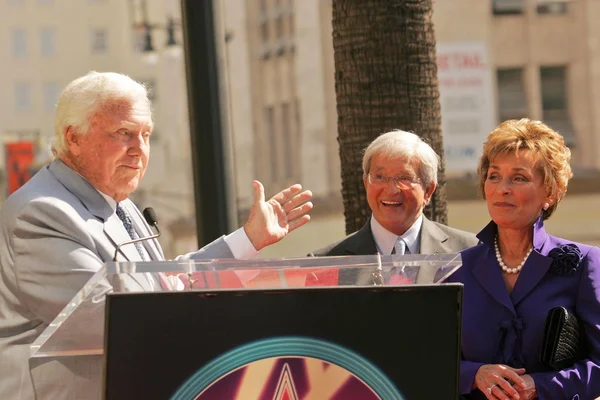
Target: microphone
{"x": 150, "y": 217}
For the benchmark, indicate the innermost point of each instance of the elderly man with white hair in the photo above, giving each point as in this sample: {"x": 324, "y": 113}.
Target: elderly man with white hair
{"x": 67, "y": 221}
{"x": 400, "y": 176}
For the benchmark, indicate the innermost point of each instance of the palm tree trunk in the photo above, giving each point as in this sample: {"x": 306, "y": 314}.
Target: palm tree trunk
{"x": 386, "y": 78}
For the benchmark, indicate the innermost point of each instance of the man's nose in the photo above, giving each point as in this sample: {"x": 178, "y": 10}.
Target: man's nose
{"x": 138, "y": 140}
{"x": 137, "y": 143}
{"x": 394, "y": 186}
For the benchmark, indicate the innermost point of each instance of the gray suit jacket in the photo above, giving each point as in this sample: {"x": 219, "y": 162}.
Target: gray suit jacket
{"x": 55, "y": 233}
{"x": 435, "y": 238}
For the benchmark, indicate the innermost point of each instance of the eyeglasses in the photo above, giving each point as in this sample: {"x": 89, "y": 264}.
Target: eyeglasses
{"x": 401, "y": 181}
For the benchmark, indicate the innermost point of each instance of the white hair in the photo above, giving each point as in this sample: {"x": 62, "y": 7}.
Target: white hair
{"x": 407, "y": 146}
{"x": 87, "y": 95}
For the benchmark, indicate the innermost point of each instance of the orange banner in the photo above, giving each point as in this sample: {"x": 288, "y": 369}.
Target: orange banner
{"x": 19, "y": 157}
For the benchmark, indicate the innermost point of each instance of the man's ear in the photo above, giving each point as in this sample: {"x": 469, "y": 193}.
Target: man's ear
{"x": 429, "y": 192}
{"x": 73, "y": 140}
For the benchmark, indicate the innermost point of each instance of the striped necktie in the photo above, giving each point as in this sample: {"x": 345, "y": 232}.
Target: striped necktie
{"x": 128, "y": 224}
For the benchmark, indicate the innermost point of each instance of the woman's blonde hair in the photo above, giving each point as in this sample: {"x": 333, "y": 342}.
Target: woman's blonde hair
{"x": 547, "y": 145}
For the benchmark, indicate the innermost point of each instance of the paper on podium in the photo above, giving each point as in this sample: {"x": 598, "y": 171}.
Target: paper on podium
{"x": 79, "y": 329}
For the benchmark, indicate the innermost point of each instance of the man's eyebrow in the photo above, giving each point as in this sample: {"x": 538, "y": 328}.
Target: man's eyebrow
{"x": 133, "y": 124}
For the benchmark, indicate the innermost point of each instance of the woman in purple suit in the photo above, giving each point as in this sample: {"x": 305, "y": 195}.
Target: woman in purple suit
{"x": 519, "y": 272}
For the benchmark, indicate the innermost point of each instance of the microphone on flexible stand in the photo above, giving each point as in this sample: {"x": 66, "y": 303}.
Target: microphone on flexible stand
{"x": 150, "y": 217}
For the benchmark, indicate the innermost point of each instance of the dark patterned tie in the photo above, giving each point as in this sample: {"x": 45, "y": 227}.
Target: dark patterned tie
{"x": 128, "y": 224}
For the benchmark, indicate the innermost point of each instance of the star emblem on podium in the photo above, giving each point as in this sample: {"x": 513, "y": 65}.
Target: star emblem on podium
{"x": 286, "y": 390}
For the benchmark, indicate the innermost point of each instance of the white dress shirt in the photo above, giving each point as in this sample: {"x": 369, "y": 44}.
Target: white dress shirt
{"x": 385, "y": 240}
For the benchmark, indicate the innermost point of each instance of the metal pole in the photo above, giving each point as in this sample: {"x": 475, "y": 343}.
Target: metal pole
{"x": 206, "y": 127}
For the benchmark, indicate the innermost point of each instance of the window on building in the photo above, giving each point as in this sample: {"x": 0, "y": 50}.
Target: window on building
{"x": 138, "y": 40}
{"x": 276, "y": 27}
{"x": 279, "y": 14}
{"x": 512, "y": 97}
{"x": 264, "y": 30}
{"x": 287, "y": 135}
{"x": 263, "y": 9}
{"x": 290, "y": 43}
{"x": 551, "y": 6}
{"x": 51, "y": 92}
{"x": 272, "y": 142}
{"x": 19, "y": 43}
{"x": 555, "y": 101}
{"x": 22, "y": 96}
{"x": 291, "y": 16}
{"x": 47, "y": 42}
{"x": 99, "y": 41}
{"x": 508, "y": 7}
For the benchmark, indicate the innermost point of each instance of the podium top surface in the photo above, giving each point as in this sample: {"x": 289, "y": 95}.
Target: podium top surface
{"x": 79, "y": 328}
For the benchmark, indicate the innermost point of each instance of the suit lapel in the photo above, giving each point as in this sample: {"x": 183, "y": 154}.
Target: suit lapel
{"x": 93, "y": 201}
{"x": 432, "y": 238}
{"x": 82, "y": 189}
{"x": 536, "y": 266}
{"x": 362, "y": 242}
{"x": 97, "y": 206}
{"x": 488, "y": 274}
{"x": 533, "y": 271}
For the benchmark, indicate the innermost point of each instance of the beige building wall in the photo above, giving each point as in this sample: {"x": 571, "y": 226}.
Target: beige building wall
{"x": 310, "y": 73}
{"x": 302, "y": 77}
{"x": 239, "y": 83}
{"x": 530, "y": 41}
{"x": 589, "y": 15}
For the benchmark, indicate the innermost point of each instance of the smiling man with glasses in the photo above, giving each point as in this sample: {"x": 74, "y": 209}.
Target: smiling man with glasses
{"x": 400, "y": 175}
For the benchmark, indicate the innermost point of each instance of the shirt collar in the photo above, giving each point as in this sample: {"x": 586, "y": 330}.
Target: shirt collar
{"x": 488, "y": 234}
{"x": 385, "y": 240}
{"x": 111, "y": 202}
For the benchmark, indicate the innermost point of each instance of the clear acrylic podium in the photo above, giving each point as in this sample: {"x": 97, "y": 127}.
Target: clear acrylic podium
{"x": 76, "y": 340}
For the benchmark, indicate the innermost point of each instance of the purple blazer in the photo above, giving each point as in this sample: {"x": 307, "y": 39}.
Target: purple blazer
{"x": 503, "y": 328}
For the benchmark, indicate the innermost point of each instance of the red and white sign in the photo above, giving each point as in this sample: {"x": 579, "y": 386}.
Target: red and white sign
{"x": 19, "y": 156}
{"x": 467, "y": 101}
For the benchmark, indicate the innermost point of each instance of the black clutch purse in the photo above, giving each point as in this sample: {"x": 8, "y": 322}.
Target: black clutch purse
{"x": 562, "y": 344}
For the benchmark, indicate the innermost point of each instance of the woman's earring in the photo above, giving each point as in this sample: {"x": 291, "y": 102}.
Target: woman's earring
{"x": 546, "y": 206}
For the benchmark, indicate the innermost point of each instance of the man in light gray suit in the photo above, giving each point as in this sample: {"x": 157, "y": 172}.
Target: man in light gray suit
{"x": 61, "y": 226}
{"x": 400, "y": 176}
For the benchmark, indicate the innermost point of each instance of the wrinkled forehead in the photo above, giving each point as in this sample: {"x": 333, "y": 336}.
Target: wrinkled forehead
{"x": 124, "y": 113}
{"x": 392, "y": 161}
